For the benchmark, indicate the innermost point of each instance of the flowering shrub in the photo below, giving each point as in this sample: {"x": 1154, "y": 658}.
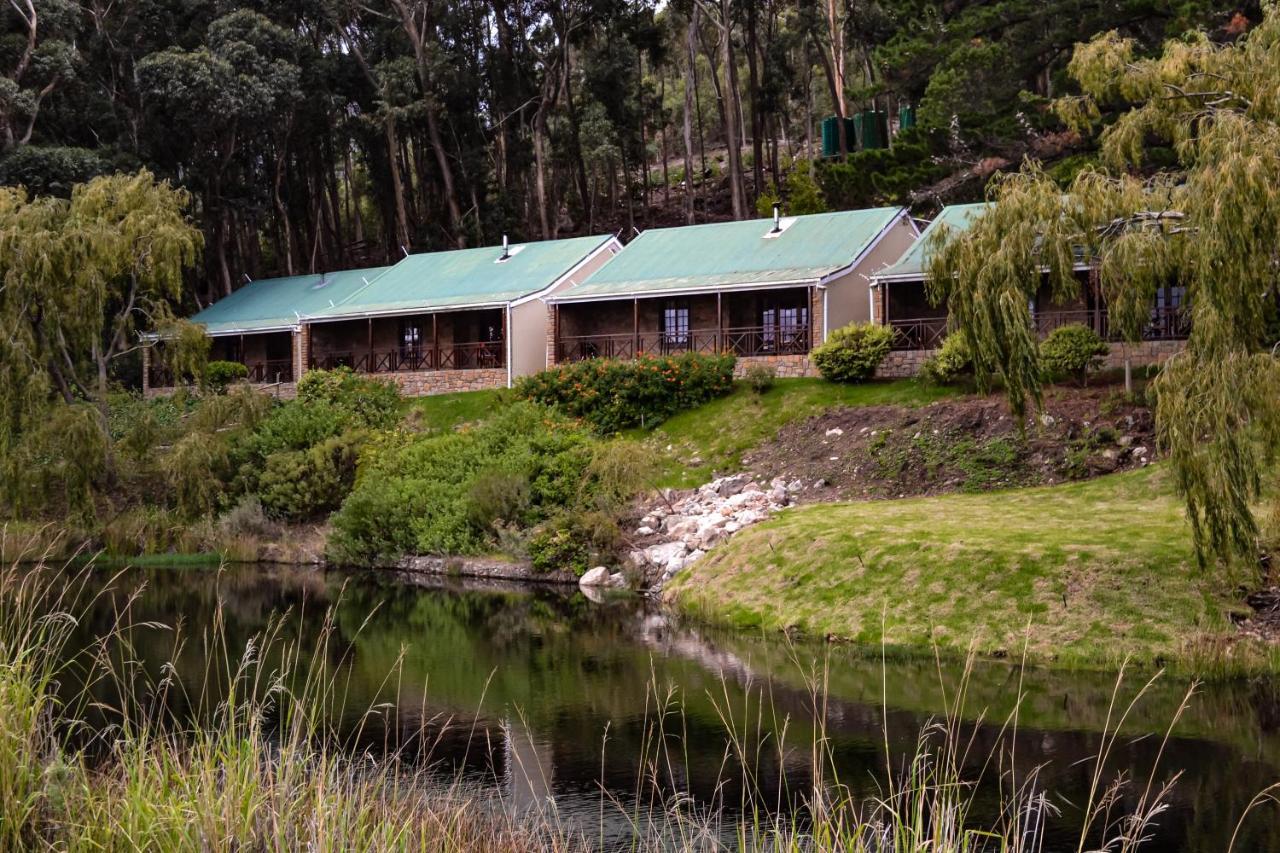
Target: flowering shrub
{"x": 614, "y": 395}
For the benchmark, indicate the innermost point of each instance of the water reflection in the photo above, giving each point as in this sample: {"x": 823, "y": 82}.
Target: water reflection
{"x": 551, "y": 696}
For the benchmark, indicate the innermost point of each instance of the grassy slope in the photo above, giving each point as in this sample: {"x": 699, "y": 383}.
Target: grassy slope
{"x": 443, "y": 412}
{"x": 724, "y": 429}
{"x": 1100, "y": 570}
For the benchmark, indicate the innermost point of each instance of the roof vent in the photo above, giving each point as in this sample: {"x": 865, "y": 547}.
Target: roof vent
{"x": 508, "y": 251}
{"x": 780, "y": 223}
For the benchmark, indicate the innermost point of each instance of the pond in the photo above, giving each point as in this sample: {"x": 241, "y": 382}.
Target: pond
{"x": 544, "y": 694}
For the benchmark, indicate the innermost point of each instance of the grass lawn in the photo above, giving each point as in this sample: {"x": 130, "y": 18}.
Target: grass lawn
{"x": 1098, "y": 570}
{"x": 720, "y": 432}
{"x": 444, "y": 412}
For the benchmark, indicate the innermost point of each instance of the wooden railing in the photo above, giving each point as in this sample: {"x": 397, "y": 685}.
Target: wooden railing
{"x": 745, "y": 341}
{"x": 260, "y": 373}
{"x": 471, "y": 356}
{"x": 1166, "y": 324}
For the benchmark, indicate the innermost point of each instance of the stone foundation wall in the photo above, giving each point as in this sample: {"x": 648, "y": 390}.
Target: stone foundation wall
{"x": 427, "y": 382}
{"x": 281, "y": 391}
{"x": 786, "y": 366}
{"x": 1143, "y": 354}
{"x": 901, "y": 364}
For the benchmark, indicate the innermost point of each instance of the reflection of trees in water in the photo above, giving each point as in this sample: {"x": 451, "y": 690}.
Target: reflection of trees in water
{"x": 455, "y": 661}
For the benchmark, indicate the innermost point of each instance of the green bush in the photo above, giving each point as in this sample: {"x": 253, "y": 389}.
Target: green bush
{"x": 950, "y": 364}
{"x": 1072, "y": 350}
{"x": 427, "y": 494}
{"x": 361, "y": 401}
{"x": 301, "y": 484}
{"x": 853, "y": 353}
{"x": 760, "y": 377}
{"x": 615, "y": 395}
{"x": 573, "y": 542}
{"x": 219, "y": 374}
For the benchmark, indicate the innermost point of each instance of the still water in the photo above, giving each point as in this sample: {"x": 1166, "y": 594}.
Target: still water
{"x": 551, "y": 697}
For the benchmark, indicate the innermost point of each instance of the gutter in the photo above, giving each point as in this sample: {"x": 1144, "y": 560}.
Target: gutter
{"x": 405, "y": 312}
{"x": 686, "y": 291}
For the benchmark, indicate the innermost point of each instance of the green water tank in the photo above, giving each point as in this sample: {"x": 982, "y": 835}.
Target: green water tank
{"x": 872, "y": 127}
{"x": 831, "y": 136}
{"x": 906, "y": 117}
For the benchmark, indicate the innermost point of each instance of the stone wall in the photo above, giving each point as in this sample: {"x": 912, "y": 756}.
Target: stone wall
{"x": 424, "y": 383}
{"x": 786, "y": 366}
{"x": 281, "y": 390}
{"x": 900, "y": 364}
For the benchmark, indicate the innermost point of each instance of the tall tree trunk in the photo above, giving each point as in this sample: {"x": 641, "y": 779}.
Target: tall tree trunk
{"x": 753, "y": 92}
{"x": 401, "y": 236}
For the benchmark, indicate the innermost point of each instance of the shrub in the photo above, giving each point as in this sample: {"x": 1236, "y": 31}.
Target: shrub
{"x": 301, "y": 484}
{"x": 364, "y": 401}
{"x": 246, "y": 519}
{"x": 1072, "y": 350}
{"x": 219, "y": 374}
{"x": 615, "y": 395}
{"x": 424, "y": 495}
{"x": 950, "y": 363}
{"x": 573, "y": 542}
{"x": 760, "y": 377}
{"x": 853, "y": 353}
{"x": 498, "y": 497}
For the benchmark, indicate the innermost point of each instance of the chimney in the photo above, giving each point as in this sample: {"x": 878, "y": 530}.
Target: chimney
{"x": 777, "y": 218}
{"x": 506, "y": 248}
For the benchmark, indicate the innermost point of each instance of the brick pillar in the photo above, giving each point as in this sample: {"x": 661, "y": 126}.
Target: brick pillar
{"x": 553, "y": 331}
{"x": 146, "y": 369}
{"x": 877, "y": 304}
{"x": 301, "y": 351}
{"x": 815, "y": 315}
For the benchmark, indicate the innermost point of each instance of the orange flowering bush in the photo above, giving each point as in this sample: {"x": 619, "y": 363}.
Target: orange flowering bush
{"x": 614, "y": 395}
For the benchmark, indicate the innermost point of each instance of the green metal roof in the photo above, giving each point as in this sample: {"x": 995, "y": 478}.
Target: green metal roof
{"x": 463, "y": 278}
{"x": 913, "y": 261}
{"x": 274, "y": 303}
{"x": 727, "y": 254}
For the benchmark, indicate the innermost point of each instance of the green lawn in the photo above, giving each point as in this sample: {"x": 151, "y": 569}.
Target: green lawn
{"x": 718, "y": 434}
{"x": 444, "y": 412}
{"x": 1098, "y": 571}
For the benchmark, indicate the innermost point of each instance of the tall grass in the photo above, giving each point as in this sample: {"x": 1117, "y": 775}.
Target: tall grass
{"x": 251, "y": 761}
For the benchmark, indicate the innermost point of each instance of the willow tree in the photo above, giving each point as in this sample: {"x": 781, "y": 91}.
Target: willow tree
{"x": 80, "y": 278}
{"x": 1210, "y": 223}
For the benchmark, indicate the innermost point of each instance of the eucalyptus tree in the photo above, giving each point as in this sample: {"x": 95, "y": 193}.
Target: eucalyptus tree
{"x": 1209, "y": 223}
{"x": 37, "y": 56}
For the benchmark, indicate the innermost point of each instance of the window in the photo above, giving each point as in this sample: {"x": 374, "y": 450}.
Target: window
{"x": 410, "y": 335}
{"x": 784, "y": 328}
{"x": 675, "y": 324}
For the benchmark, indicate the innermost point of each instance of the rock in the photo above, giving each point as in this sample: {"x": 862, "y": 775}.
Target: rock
{"x": 835, "y": 431}
{"x": 795, "y": 486}
{"x": 617, "y": 580}
{"x": 644, "y": 530}
{"x": 820, "y": 483}
{"x": 694, "y": 556}
{"x": 732, "y": 527}
{"x": 778, "y": 495}
{"x": 1047, "y": 419}
{"x": 727, "y": 487}
{"x": 599, "y": 576}
{"x": 1124, "y": 440}
{"x": 638, "y": 558}
{"x": 1140, "y": 451}
{"x": 664, "y": 554}
{"x": 748, "y": 516}
{"x": 835, "y": 458}
{"x": 684, "y": 527}
{"x": 1108, "y": 454}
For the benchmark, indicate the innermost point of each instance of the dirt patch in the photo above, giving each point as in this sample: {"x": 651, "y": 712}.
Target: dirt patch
{"x": 971, "y": 444}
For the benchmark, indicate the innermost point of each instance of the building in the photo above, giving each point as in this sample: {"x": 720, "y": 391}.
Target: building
{"x": 434, "y": 322}
{"x": 899, "y": 300}
{"x": 765, "y": 290}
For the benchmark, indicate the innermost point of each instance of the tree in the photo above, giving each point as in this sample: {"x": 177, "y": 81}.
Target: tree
{"x": 81, "y": 279}
{"x": 1210, "y": 226}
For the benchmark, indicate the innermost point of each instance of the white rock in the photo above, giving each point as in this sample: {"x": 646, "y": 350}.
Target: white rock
{"x": 687, "y": 527}
{"x": 732, "y": 527}
{"x": 638, "y": 558}
{"x": 1124, "y": 440}
{"x": 1140, "y": 451}
{"x": 749, "y": 516}
{"x": 1046, "y": 419}
{"x": 644, "y": 530}
{"x": 795, "y": 486}
{"x": 662, "y": 555}
{"x": 778, "y": 495}
{"x": 617, "y": 580}
{"x": 694, "y": 556}
{"x": 835, "y": 458}
{"x": 835, "y": 431}
{"x": 599, "y": 576}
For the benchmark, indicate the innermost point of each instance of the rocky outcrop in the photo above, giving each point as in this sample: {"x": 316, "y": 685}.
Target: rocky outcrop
{"x": 682, "y": 527}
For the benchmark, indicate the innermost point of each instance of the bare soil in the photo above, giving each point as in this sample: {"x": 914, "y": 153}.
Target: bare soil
{"x": 967, "y": 444}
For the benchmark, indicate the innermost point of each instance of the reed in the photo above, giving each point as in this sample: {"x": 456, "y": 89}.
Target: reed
{"x": 251, "y": 762}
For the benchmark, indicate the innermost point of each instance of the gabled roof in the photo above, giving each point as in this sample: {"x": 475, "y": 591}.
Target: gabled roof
{"x": 465, "y": 278}
{"x": 277, "y": 303}
{"x": 725, "y": 255}
{"x": 915, "y": 260}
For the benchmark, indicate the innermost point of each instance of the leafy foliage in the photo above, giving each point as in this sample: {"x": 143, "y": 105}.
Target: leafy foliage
{"x": 219, "y": 374}
{"x": 1073, "y": 350}
{"x": 301, "y": 484}
{"x": 950, "y": 363}
{"x": 1209, "y": 226}
{"x": 358, "y": 400}
{"x": 853, "y": 353}
{"x": 615, "y": 395}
